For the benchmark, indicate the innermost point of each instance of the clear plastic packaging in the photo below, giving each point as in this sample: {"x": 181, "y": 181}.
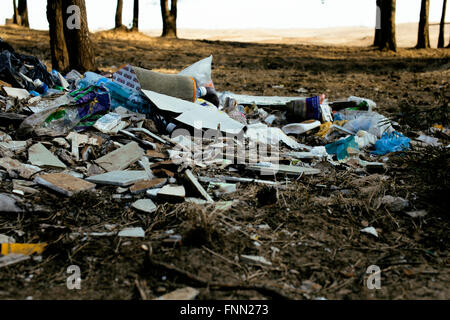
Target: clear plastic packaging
{"x": 200, "y": 71}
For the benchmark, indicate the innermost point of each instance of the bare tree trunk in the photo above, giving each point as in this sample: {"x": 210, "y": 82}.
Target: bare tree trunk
{"x": 23, "y": 13}
{"x": 60, "y": 56}
{"x": 388, "y": 39}
{"x": 135, "y": 16}
{"x": 119, "y": 14}
{"x": 169, "y": 18}
{"x": 16, "y": 17}
{"x": 423, "y": 38}
{"x": 79, "y": 45}
{"x": 377, "y": 38}
{"x": 442, "y": 26}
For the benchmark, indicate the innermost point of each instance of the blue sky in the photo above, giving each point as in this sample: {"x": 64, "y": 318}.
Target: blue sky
{"x": 239, "y": 14}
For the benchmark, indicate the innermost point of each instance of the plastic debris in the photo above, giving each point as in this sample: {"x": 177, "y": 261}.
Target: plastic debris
{"x": 391, "y": 143}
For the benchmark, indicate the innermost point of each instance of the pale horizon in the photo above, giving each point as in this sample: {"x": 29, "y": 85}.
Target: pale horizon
{"x": 238, "y": 14}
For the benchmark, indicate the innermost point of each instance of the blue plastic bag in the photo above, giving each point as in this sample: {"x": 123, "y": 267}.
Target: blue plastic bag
{"x": 391, "y": 143}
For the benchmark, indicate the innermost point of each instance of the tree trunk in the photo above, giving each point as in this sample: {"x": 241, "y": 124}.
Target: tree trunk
{"x": 60, "y": 56}
{"x": 135, "y": 16}
{"x": 388, "y": 39}
{"x": 16, "y": 17}
{"x": 119, "y": 14}
{"x": 442, "y": 26}
{"x": 79, "y": 45}
{"x": 23, "y": 13}
{"x": 423, "y": 38}
{"x": 169, "y": 18}
{"x": 377, "y": 38}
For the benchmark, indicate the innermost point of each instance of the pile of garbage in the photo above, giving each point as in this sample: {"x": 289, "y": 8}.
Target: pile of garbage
{"x": 161, "y": 138}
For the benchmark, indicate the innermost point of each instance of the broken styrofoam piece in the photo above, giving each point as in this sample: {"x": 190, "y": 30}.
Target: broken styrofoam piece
{"x": 121, "y": 158}
{"x": 265, "y": 135}
{"x": 195, "y": 115}
{"x": 186, "y": 293}
{"x": 119, "y": 178}
{"x": 370, "y": 230}
{"x": 257, "y": 260}
{"x": 64, "y": 183}
{"x": 16, "y": 93}
{"x": 221, "y": 188}
{"x": 145, "y": 205}
{"x": 171, "y": 192}
{"x": 6, "y": 239}
{"x": 11, "y": 259}
{"x": 299, "y": 128}
{"x": 417, "y": 214}
{"x": 272, "y": 169}
{"x": 39, "y": 155}
{"x": 132, "y": 232}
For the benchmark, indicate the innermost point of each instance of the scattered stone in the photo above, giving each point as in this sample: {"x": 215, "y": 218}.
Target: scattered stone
{"x": 394, "y": 204}
{"x": 14, "y": 146}
{"x": 197, "y": 186}
{"x": 64, "y": 183}
{"x": 172, "y": 193}
{"x": 186, "y": 293}
{"x": 153, "y": 193}
{"x": 62, "y": 142}
{"x": 93, "y": 170}
{"x": 145, "y": 205}
{"x": 152, "y": 154}
{"x": 119, "y": 178}
{"x": 8, "y": 204}
{"x": 144, "y": 185}
{"x": 40, "y": 156}
{"x": 257, "y": 260}
{"x": 121, "y": 158}
{"x": 196, "y": 201}
{"x": 13, "y": 166}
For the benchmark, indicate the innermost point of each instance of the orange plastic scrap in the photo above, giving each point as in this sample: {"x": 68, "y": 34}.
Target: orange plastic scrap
{"x": 22, "y": 248}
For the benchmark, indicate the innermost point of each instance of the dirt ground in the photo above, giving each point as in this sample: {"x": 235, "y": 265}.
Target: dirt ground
{"x": 313, "y": 240}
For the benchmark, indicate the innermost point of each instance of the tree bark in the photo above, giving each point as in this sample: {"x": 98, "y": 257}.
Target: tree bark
{"x": 169, "y": 18}
{"x": 119, "y": 14}
{"x": 423, "y": 38}
{"x": 23, "y": 13}
{"x": 442, "y": 26}
{"x": 377, "y": 38}
{"x": 79, "y": 45}
{"x": 135, "y": 16}
{"x": 387, "y": 34}
{"x": 58, "y": 48}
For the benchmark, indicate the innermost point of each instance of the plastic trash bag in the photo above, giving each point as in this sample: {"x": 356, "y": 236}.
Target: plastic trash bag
{"x": 18, "y": 69}
{"x": 371, "y": 122}
{"x": 343, "y": 148}
{"x": 392, "y": 142}
{"x": 85, "y": 108}
{"x": 201, "y": 71}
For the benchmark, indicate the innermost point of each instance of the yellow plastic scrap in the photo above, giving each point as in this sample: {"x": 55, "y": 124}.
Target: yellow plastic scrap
{"x": 22, "y": 248}
{"x": 438, "y": 126}
{"x": 326, "y": 126}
